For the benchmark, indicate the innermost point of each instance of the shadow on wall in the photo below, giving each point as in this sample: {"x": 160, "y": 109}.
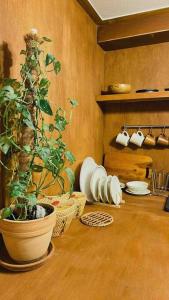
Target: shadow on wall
{"x": 5, "y": 65}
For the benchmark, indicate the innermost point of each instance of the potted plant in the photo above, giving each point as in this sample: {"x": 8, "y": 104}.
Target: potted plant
{"x": 32, "y": 145}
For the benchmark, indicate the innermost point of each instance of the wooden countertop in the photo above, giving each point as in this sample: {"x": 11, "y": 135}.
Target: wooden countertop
{"x": 127, "y": 260}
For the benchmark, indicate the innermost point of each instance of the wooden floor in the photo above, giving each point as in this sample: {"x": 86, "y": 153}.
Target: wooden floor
{"x": 128, "y": 260}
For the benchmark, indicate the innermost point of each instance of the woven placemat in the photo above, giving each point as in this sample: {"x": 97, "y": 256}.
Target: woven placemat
{"x": 97, "y": 218}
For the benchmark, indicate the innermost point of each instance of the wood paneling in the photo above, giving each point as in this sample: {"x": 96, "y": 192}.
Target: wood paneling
{"x": 126, "y": 260}
{"x": 135, "y": 30}
{"x": 75, "y": 45}
{"x": 143, "y": 67}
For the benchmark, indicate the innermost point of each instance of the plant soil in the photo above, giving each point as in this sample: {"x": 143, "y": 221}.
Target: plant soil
{"x": 31, "y": 214}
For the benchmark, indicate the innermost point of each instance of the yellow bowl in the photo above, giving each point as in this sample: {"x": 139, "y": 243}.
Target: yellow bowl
{"x": 119, "y": 88}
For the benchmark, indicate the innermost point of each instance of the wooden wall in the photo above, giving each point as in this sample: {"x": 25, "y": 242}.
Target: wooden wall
{"x": 74, "y": 37}
{"x": 143, "y": 67}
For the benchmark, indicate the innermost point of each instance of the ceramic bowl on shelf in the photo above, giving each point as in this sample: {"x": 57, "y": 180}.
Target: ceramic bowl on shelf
{"x": 137, "y": 186}
{"x": 119, "y": 88}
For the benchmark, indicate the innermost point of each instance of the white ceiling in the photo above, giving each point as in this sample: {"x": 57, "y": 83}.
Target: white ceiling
{"x": 109, "y": 9}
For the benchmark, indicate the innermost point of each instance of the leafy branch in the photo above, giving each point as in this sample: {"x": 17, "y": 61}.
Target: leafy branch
{"x": 34, "y": 146}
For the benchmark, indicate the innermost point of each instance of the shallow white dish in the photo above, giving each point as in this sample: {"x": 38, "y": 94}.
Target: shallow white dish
{"x": 86, "y": 172}
{"x": 114, "y": 191}
{"x": 141, "y": 193}
{"x": 98, "y": 173}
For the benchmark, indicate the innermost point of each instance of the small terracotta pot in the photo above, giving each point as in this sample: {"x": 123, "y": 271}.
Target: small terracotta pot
{"x": 28, "y": 240}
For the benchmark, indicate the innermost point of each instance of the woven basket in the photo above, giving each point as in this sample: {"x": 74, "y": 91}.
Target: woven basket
{"x": 80, "y": 201}
{"x": 64, "y": 215}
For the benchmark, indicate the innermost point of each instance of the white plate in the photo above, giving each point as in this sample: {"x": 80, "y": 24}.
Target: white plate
{"x": 106, "y": 197}
{"x": 101, "y": 188}
{"x": 108, "y": 189}
{"x": 114, "y": 191}
{"x": 98, "y": 173}
{"x": 86, "y": 172}
{"x": 101, "y": 194}
{"x": 118, "y": 187}
{"x": 146, "y": 192}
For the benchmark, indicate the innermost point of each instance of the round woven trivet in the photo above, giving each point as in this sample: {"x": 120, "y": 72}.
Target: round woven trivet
{"x": 96, "y": 218}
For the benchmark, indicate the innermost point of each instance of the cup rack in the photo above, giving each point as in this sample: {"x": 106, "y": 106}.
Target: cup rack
{"x": 144, "y": 126}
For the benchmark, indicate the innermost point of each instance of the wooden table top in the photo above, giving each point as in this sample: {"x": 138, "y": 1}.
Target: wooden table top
{"x": 127, "y": 260}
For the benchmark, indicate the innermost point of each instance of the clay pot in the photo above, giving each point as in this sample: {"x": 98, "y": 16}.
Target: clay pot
{"x": 27, "y": 241}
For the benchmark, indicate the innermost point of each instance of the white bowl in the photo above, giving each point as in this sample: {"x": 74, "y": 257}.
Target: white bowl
{"x": 134, "y": 186}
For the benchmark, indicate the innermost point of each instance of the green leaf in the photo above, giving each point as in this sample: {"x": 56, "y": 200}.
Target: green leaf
{"x": 60, "y": 121}
{"x": 5, "y": 144}
{"x": 73, "y": 102}
{"x": 69, "y": 155}
{"x": 46, "y": 39}
{"x": 43, "y": 92}
{"x": 43, "y": 152}
{"x": 8, "y": 88}
{"x": 44, "y": 105}
{"x": 27, "y": 148}
{"x": 49, "y": 59}
{"x": 6, "y": 212}
{"x": 51, "y": 141}
{"x": 37, "y": 168}
{"x": 29, "y": 123}
{"x": 44, "y": 82}
{"x": 8, "y": 92}
{"x": 57, "y": 66}
{"x": 71, "y": 178}
{"x": 45, "y": 127}
{"x": 25, "y": 112}
{"x": 17, "y": 189}
{"x": 31, "y": 198}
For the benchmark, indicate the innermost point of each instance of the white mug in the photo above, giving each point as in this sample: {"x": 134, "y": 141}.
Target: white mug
{"x": 137, "y": 138}
{"x": 123, "y": 138}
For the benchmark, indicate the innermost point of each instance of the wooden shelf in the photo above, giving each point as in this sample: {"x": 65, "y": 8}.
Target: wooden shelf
{"x": 133, "y": 97}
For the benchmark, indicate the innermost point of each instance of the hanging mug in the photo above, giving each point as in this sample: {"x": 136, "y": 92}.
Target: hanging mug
{"x": 137, "y": 138}
{"x": 162, "y": 139}
{"x": 123, "y": 138}
{"x": 150, "y": 139}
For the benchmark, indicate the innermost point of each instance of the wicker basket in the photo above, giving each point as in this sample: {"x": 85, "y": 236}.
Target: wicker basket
{"x": 80, "y": 201}
{"x": 65, "y": 211}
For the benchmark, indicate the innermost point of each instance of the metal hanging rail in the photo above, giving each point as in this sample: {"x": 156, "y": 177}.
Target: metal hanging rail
{"x": 144, "y": 126}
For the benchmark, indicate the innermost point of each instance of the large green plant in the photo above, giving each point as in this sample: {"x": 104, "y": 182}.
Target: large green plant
{"x": 32, "y": 144}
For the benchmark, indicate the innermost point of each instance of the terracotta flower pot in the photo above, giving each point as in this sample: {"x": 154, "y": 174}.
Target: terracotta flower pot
{"x": 28, "y": 240}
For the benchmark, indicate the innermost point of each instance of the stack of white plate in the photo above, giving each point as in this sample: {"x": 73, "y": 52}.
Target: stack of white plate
{"x": 137, "y": 188}
{"x": 97, "y": 186}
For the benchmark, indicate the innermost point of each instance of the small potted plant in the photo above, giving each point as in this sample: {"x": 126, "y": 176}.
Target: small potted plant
{"x": 32, "y": 145}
